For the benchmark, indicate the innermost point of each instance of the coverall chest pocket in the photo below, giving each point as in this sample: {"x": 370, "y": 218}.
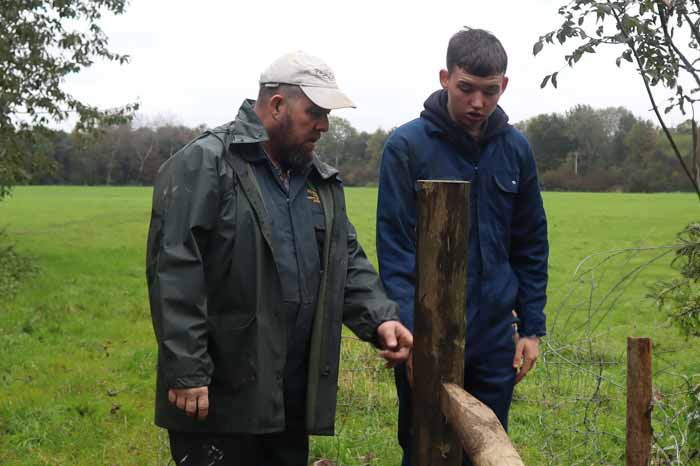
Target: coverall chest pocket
{"x": 507, "y": 186}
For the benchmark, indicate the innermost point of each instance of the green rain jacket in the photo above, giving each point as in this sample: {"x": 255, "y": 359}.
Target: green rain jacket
{"x": 215, "y": 294}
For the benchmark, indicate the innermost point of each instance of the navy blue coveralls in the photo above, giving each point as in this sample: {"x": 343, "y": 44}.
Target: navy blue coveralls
{"x": 508, "y": 248}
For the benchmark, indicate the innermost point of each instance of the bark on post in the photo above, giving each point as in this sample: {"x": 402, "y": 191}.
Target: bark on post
{"x": 479, "y": 430}
{"x": 639, "y": 394}
{"x": 441, "y": 267}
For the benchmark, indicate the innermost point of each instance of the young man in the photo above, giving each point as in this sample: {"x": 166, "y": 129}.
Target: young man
{"x": 464, "y": 135}
{"x": 252, "y": 268}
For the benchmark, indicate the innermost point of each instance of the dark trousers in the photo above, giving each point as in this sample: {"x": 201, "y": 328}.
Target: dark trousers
{"x": 490, "y": 379}
{"x": 289, "y": 448}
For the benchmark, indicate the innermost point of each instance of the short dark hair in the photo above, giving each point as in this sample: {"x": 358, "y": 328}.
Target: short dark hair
{"x": 290, "y": 91}
{"x": 477, "y": 52}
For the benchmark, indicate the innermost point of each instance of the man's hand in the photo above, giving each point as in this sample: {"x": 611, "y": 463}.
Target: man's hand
{"x": 396, "y": 342}
{"x": 194, "y": 401}
{"x": 527, "y": 350}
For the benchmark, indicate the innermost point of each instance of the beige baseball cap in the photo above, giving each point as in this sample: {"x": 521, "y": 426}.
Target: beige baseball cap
{"x": 311, "y": 74}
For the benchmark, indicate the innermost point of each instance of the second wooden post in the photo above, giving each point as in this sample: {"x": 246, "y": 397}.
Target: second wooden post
{"x": 639, "y": 393}
{"x": 442, "y": 236}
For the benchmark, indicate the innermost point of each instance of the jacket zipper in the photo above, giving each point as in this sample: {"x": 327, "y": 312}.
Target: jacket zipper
{"x": 300, "y": 285}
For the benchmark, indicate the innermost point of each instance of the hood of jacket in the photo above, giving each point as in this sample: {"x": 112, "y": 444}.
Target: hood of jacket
{"x": 436, "y": 113}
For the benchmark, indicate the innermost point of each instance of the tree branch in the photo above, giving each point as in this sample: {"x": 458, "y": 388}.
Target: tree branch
{"x": 669, "y": 137}
{"x": 694, "y": 30}
{"x": 669, "y": 41}
{"x": 696, "y": 170}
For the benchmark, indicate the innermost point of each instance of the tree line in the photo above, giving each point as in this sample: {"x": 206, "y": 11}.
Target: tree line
{"x": 610, "y": 149}
{"x": 130, "y": 154}
{"x": 583, "y": 149}
{"x": 122, "y": 154}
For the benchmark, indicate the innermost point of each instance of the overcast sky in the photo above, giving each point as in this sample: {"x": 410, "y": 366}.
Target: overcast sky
{"x": 196, "y": 61}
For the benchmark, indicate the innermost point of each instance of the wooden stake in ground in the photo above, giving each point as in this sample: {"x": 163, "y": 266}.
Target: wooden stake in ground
{"x": 439, "y": 324}
{"x": 639, "y": 405}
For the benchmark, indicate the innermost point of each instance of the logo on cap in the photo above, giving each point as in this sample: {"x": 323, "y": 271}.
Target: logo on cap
{"x": 325, "y": 74}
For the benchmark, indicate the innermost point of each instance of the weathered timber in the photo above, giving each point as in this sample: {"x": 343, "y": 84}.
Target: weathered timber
{"x": 639, "y": 393}
{"x": 439, "y": 323}
{"x": 478, "y": 429}
{"x": 323, "y": 462}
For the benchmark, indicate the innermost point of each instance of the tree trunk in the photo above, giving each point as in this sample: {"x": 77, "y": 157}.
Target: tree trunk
{"x": 110, "y": 165}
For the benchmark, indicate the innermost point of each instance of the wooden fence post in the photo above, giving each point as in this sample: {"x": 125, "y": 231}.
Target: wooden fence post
{"x": 439, "y": 327}
{"x": 638, "y": 451}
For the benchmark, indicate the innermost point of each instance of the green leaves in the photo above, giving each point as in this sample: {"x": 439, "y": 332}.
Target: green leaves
{"x": 550, "y": 77}
{"x": 41, "y": 43}
{"x": 662, "y": 37}
{"x": 626, "y": 55}
{"x": 680, "y": 297}
{"x": 537, "y": 48}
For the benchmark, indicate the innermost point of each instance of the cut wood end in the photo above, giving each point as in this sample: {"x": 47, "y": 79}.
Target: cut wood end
{"x": 323, "y": 462}
{"x": 478, "y": 429}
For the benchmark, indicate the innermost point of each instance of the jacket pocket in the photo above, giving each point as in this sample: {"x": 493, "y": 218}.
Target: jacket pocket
{"x": 507, "y": 186}
{"x": 508, "y": 183}
{"x": 232, "y": 349}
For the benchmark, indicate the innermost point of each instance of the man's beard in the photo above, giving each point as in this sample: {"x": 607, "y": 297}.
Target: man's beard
{"x": 295, "y": 157}
{"x": 292, "y": 156}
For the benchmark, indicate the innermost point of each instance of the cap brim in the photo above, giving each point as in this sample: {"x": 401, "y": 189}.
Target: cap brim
{"x": 328, "y": 98}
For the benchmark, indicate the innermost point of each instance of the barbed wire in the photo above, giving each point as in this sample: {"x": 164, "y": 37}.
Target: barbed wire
{"x": 584, "y": 363}
{"x": 572, "y": 410}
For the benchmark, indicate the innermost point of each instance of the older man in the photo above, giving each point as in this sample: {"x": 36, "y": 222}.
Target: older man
{"x": 252, "y": 268}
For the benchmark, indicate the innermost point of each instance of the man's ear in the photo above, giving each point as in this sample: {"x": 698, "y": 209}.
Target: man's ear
{"x": 276, "y": 104}
{"x": 505, "y": 84}
{"x": 444, "y": 78}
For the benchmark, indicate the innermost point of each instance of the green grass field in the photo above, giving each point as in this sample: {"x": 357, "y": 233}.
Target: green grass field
{"x": 78, "y": 352}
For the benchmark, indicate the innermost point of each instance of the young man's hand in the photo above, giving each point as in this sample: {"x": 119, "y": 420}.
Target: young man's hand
{"x": 527, "y": 350}
{"x": 396, "y": 342}
{"x": 194, "y": 401}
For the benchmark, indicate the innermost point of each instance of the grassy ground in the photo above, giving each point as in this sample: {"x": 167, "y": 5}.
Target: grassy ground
{"x": 77, "y": 371}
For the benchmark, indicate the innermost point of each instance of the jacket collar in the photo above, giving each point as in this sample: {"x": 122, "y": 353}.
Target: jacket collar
{"x": 247, "y": 127}
{"x": 324, "y": 170}
{"x": 245, "y": 132}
